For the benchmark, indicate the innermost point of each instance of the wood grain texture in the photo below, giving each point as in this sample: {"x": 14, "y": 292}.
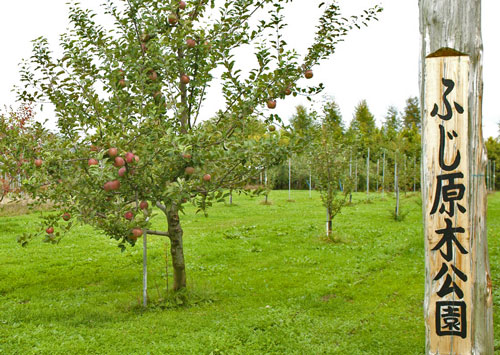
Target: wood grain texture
{"x": 456, "y": 69}
{"x": 456, "y": 25}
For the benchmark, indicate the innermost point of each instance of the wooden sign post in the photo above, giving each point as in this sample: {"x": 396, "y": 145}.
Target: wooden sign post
{"x": 458, "y": 291}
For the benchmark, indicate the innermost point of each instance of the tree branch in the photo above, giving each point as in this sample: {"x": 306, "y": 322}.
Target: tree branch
{"x": 163, "y": 234}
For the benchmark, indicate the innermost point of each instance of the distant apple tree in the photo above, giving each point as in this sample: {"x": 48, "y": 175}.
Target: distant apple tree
{"x": 129, "y": 102}
{"x": 331, "y": 154}
{"x": 19, "y": 138}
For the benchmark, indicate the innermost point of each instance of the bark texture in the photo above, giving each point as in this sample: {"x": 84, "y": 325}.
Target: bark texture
{"x": 447, "y": 25}
{"x": 175, "y": 234}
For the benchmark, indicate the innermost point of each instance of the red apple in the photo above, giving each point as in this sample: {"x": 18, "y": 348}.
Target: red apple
{"x": 128, "y": 215}
{"x": 207, "y": 177}
{"x": 136, "y": 232}
{"x": 189, "y": 170}
{"x": 122, "y": 83}
{"x": 129, "y": 157}
{"x": 172, "y": 19}
{"x": 50, "y": 230}
{"x": 94, "y": 148}
{"x": 308, "y": 74}
{"x": 93, "y": 162}
{"x": 38, "y": 163}
{"x": 66, "y": 216}
{"x": 182, "y": 5}
{"x": 119, "y": 162}
{"x": 122, "y": 171}
{"x": 185, "y": 79}
{"x": 191, "y": 43}
{"x": 136, "y": 158}
{"x": 288, "y": 91}
{"x": 143, "y": 205}
{"x": 152, "y": 75}
{"x": 186, "y": 156}
{"x": 112, "y": 185}
{"x": 112, "y": 152}
{"x": 271, "y": 104}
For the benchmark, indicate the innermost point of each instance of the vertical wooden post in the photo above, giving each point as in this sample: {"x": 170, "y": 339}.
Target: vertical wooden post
{"x": 488, "y": 165}
{"x": 310, "y": 182}
{"x": 396, "y": 186}
{"x": 458, "y": 289}
{"x": 356, "y": 177}
{"x": 350, "y": 177}
{"x": 368, "y": 174}
{"x": 383, "y": 175}
{"x": 289, "y": 179}
{"x": 405, "y": 174}
{"x": 414, "y": 173}
{"x": 145, "y": 270}
{"x": 378, "y": 173}
{"x": 491, "y": 175}
{"x": 494, "y": 175}
{"x": 267, "y": 191}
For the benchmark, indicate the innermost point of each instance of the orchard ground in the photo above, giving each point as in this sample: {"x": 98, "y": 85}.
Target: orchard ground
{"x": 261, "y": 280}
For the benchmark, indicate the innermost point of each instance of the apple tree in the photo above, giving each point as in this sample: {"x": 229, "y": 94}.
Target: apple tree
{"x": 128, "y": 98}
{"x": 20, "y": 136}
{"x": 331, "y": 154}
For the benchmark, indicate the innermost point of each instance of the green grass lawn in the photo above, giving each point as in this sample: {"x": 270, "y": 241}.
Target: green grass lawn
{"x": 261, "y": 281}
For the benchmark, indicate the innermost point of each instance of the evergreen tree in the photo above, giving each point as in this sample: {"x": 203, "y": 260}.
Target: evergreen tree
{"x": 302, "y": 122}
{"x": 411, "y": 114}
{"x": 362, "y": 130}
{"x": 392, "y": 123}
{"x": 333, "y": 118}
{"x": 363, "y": 121}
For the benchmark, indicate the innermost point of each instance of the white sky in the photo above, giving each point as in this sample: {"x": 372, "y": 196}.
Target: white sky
{"x": 378, "y": 63}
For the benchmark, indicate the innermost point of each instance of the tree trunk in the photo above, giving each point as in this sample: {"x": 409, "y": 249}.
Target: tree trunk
{"x": 328, "y": 223}
{"x": 452, "y": 44}
{"x": 176, "y": 248}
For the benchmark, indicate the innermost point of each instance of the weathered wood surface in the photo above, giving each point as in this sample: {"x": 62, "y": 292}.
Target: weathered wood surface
{"x": 455, "y": 69}
{"x": 448, "y": 27}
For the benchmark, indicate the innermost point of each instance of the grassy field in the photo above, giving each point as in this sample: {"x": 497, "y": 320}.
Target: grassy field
{"x": 261, "y": 279}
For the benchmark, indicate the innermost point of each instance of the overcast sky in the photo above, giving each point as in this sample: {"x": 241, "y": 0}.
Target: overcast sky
{"x": 379, "y": 63}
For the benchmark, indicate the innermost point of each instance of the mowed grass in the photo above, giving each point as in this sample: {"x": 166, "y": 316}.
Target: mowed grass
{"x": 262, "y": 280}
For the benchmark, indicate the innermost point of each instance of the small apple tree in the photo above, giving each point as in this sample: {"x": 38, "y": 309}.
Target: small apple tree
{"x": 330, "y": 152}
{"x": 128, "y": 101}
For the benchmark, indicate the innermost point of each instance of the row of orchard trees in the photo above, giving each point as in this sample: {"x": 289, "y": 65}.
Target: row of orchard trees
{"x": 372, "y": 151}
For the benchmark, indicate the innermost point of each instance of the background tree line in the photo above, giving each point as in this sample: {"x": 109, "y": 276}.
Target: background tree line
{"x": 397, "y": 140}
